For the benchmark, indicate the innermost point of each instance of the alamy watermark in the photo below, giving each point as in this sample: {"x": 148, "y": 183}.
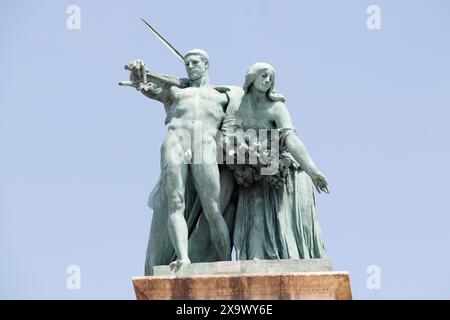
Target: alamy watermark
{"x": 259, "y": 148}
{"x": 373, "y": 282}
{"x": 73, "y": 281}
{"x": 373, "y": 21}
{"x": 73, "y": 21}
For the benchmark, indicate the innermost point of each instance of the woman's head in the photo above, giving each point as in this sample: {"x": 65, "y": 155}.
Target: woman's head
{"x": 262, "y": 77}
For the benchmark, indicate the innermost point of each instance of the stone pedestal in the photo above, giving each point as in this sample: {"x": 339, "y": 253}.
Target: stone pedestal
{"x": 261, "y": 279}
{"x": 298, "y": 286}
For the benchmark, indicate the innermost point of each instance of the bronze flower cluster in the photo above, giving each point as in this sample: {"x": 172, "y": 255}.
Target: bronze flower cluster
{"x": 251, "y": 154}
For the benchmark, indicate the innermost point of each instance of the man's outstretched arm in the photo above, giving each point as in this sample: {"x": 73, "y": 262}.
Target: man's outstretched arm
{"x": 152, "y": 85}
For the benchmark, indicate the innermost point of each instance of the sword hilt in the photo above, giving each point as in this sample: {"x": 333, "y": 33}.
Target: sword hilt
{"x": 144, "y": 76}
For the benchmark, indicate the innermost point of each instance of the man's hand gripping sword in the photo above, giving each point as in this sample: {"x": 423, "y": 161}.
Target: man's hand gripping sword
{"x": 138, "y": 76}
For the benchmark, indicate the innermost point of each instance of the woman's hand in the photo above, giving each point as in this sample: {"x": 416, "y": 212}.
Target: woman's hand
{"x": 320, "y": 182}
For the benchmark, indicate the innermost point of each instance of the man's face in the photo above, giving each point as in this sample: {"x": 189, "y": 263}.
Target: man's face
{"x": 263, "y": 81}
{"x": 195, "y": 67}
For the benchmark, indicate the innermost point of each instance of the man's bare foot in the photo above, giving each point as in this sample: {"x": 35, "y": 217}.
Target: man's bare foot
{"x": 177, "y": 264}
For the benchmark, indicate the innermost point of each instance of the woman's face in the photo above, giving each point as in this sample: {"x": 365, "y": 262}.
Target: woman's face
{"x": 263, "y": 80}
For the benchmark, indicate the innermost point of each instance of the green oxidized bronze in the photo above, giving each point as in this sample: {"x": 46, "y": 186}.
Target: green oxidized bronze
{"x": 203, "y": 208}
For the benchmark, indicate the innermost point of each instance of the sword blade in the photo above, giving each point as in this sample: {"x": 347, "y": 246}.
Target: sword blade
{"x": 165, "y": 42}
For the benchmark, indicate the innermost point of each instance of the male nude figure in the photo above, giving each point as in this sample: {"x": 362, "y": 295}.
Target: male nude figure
{"x": 198, "y": 105}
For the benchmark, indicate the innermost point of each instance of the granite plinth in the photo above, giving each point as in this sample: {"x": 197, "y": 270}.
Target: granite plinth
{"x": 256, "y": 279}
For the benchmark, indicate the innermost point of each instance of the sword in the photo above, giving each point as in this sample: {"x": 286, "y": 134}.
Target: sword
{"x": 165, "y": 43}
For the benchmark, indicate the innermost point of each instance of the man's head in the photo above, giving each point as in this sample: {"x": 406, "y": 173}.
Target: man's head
{"x": 197, "y": 64}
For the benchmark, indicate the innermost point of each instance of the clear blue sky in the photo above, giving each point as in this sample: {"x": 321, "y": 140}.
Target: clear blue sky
{"x": 79, "y": 154}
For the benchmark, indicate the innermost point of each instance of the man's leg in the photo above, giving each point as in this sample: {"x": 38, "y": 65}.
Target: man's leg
{"x": 174, "y": 180}
{"x": 200, "y": 245}
{"x": 207, "y": 182}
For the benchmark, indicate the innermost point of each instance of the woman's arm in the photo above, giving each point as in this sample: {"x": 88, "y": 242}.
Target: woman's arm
{"x": 297, "y": 148}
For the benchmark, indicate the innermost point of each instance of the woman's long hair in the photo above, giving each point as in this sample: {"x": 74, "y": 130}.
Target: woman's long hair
{"x": 250, "y": 77}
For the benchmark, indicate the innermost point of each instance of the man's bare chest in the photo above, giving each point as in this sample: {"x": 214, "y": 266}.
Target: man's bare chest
{"x": 198, "y": 100}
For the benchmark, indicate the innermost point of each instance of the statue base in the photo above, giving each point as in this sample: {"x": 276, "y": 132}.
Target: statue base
{"x": 247, "y": 280}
